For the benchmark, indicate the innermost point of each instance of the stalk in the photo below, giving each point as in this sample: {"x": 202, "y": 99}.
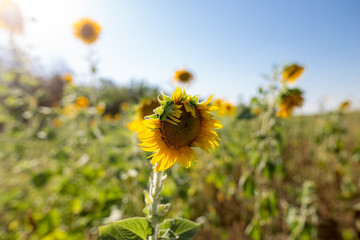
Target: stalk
{"x": 156, "y": 186}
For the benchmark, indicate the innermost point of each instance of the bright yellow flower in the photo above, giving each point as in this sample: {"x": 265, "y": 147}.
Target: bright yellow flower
{"x": 178, "y": 125}
{"x": 87, "y": 30}
{"x": 101, "y": 108}
{"x": 67, "y": 77}
{"x": 82, "y": 102}
{"x": 284, "y": 112}
{"x": 225, "y": 108}
{"x": 11, "y": 17}
{"x": 344, "y": 106}
{"x": 70, "y": 110}
{"x": 183, "y": 76}
{"x": 292, "y": 72}
{"x": 146, "y": 107}
{"x": 289, "y": 100}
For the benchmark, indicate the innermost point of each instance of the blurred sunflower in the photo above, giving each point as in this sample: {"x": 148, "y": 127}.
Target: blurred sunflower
{"x": 70, "y": 110}
{"x": 289, "y": 100}
{"x": 100, "y": 108}
{"x": 124, "y": 106}
{"x": 67, "y": 77}
{"x": 292, "y": 72}
{"x": 87, "y": 30}
{"x": 56, "y": 122}
{"x": 225, "y": 108}
{"x": 344, "y": 106}
{"x": 11, "y": 17}
{"x": 183, "y": 76}
{"x": 82, "y": 102}
{"x": 179, "y": 124}
{"x": 146, "y": 107}
{"x": 112, "y": 117}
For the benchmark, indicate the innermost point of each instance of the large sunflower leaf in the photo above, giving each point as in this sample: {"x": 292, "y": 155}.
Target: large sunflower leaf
{"x": 136, "y": 228}
{"x": 178, "y": 228}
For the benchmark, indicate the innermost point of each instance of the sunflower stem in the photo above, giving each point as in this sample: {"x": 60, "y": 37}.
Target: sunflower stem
{"x": 156, "y": 186}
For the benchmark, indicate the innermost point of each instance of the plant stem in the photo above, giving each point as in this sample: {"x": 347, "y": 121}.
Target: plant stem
{"x": 156, "y": 185}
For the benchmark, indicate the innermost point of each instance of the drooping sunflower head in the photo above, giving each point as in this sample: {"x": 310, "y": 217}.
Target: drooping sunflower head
{"x": 82, "y": 102}
{"x": 11, "y": 18}
{"x": 225, "y": 108}
{"x": 67, "y": 77}
{"x": 183, "y": 76}
{"x": 344, "y": 106}
{"x": 288, "y": 101}
{"x": 292, "y": 72}
{"x": 179, "y": 124}
{"x": 145, "y": 108}
{"x": 87, "y": 30}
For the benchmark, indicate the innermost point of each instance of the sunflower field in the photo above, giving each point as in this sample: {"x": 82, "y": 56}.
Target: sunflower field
{"x": 130, "y": 162}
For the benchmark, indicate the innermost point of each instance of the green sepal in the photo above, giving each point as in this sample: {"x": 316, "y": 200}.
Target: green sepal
{"x": 163, "y": 209}
{"x": 167, "y": 110}
{"x": 152, "y": 116}
{"x": 147, "y": 198}
{"x": 195, "y": 100}
{"x": 159, "y": 111}
{"x": 165, "y": 97}
{"x": 146, "y": 211}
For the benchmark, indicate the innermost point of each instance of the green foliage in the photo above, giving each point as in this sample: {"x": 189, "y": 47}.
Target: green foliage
{"x": 178, "y": 228}
{"x": 66, "y": 181}
{"x": 128, "y": 229}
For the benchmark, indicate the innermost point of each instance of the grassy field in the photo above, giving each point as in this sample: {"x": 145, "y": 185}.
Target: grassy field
{"x": 62, "y": 176}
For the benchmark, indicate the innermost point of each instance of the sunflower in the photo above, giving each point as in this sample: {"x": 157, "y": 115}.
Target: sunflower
{"x": 82, "y": 102}
{"x": 292, "y": 72}
{"x": 344, "y": 106}
{"x": 112, "y": 117}
{"x": 225, "y": 108}
{"x": 145, "y": 108}
{"x": 67, "y": 77}
{"x": 70, "y": 110}
{"x": 11, "y": 17}
{"x": 101, "y": 107}
{"x": 289, "y": 100}
{"x": 179, "y": 124}
{"x": 87, "y": 30}
{"x": 183, "y": 76}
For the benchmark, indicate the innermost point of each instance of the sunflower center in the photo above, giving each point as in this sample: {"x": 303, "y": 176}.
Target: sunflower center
{"x": 87, "y": 31}
{"x": 184, "y": 133}
{"x": 185, "y": 76}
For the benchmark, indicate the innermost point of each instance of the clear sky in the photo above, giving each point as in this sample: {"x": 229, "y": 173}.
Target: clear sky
{"x": 228, "y": 45}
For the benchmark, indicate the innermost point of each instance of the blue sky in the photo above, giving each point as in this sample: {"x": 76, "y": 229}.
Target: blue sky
{"x": 228, "y": 45}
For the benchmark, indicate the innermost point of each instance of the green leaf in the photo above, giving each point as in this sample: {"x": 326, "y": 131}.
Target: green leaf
{"x": 181, "y": 229}
{"x": 127, "y": 229}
